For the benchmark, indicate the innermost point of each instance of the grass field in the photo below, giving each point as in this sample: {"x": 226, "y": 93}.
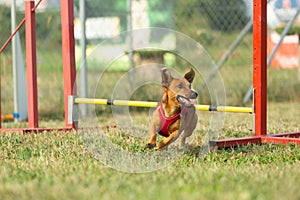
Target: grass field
{"x": 58, "y": 165}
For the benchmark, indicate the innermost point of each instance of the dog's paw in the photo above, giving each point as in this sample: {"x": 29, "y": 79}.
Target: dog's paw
{"x": 150, "y": 146}
{"x": 160, "y": 146}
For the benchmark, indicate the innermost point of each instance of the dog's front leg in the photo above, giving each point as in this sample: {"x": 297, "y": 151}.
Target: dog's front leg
{"x": 152, "y": 134}
{"x": 172, "y": 137}
{"x": 154, "y": 126}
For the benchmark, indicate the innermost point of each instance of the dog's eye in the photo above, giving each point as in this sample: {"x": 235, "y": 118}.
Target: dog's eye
{"x": 180, "y": 86}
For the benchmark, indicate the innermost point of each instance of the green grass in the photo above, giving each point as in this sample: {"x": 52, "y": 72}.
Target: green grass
{"x": 57, "y": 166}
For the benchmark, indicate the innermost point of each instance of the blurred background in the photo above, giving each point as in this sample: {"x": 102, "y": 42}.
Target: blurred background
{"x": 222, "y": 27}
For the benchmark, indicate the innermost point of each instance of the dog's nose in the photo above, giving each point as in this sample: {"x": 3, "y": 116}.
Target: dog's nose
{"x": 194, "y": 95}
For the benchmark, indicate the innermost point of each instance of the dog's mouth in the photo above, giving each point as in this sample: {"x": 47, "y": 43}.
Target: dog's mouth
{"x": 184, "y": 101}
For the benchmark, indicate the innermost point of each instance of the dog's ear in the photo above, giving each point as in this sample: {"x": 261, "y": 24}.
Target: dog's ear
{"x": 190, "y": 75}
{"x": 166, "y": 77}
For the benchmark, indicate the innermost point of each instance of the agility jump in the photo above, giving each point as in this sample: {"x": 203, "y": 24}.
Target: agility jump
{"x": 259, "y": 110}
{"x": 151, "y": 104}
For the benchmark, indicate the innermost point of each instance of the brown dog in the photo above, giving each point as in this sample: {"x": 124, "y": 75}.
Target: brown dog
{"x": 176, "y": 112}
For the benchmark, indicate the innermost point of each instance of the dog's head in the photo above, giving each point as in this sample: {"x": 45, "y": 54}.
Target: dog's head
{"x": 179, "y": 89}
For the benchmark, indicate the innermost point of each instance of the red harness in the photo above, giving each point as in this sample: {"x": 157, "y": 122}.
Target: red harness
{"x": 165, "y": 122}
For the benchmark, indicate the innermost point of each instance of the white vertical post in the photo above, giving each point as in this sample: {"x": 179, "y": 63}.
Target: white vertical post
{"x": 14, "y": 58}
{"x": 19, "y": 79}
{"x": 83, "y": 68}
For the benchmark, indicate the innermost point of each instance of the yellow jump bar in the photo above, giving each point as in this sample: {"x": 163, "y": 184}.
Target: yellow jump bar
{"x": 150, "y": 104}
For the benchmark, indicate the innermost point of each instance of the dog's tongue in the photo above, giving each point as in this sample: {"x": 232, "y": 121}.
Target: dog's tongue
{"x": 184, "y": 101}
